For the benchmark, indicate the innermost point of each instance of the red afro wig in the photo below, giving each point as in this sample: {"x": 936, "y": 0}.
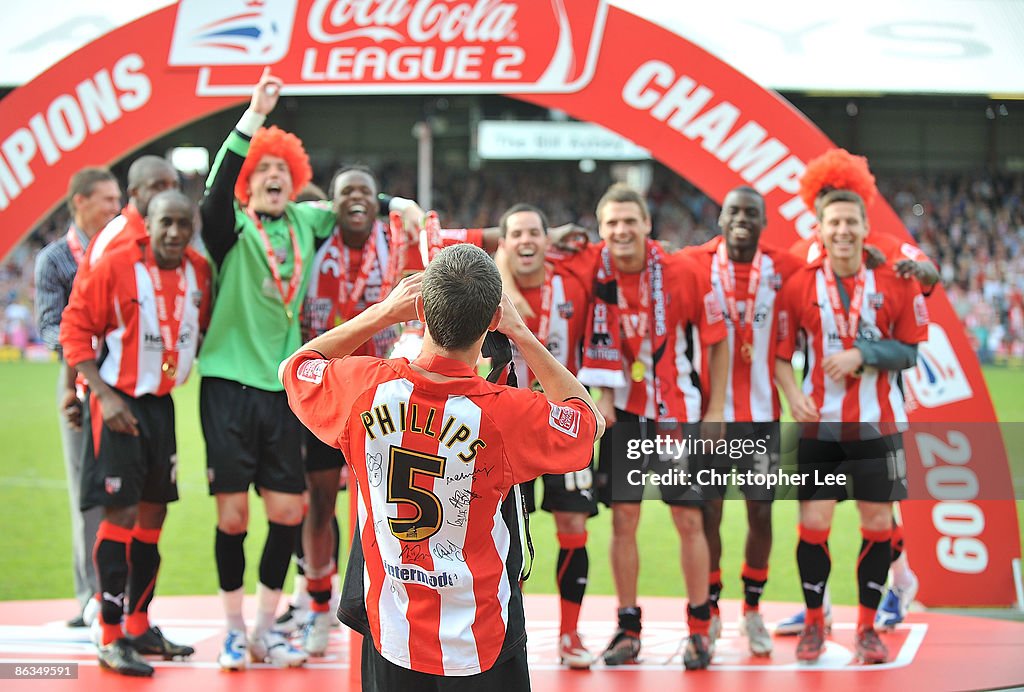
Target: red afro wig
{"x": 837, "y": 169}
{"x": 274, "y": 141}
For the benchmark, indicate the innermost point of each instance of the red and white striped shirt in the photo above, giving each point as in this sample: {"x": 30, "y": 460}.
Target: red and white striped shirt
{"x": 117, "y": 304}
{"x": 892, "y": 308}
{"x": 435, "y": 465}
{"x": 689, "y": 303}
{"x": 564, "y": 322}
{"x": 750, "y": 393}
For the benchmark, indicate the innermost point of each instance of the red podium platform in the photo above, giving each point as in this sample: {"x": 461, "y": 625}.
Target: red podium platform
{"x": 930, "y": 651}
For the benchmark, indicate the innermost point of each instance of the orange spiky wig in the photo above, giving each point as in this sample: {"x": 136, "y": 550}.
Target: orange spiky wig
{"x": 275, "y": 142}
{"x": 837, "y": 169}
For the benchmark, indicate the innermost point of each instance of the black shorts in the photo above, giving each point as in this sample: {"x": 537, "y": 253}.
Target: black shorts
{"x": 627, "y": 473}
{"x": 123, "y": 470}
{"x": 252, "y": 437}
{"x": 320, "y": 456}
{"x": 752, "y": 450}
{"x": 564, "y": 492}
{"x": 875, "y": 469}
{"x": 381, "y": 675}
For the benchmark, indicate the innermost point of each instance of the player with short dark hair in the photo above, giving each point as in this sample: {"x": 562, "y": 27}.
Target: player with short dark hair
{"x": 147, "y": 177}
{"x": 746, "y": 277}
{"x": 148, "y": 305}
{"x": 436, "y": 453}
{"x": 862, "y": 327}
{"x": 558, "y": 301}
{"x": 639, "y": 349}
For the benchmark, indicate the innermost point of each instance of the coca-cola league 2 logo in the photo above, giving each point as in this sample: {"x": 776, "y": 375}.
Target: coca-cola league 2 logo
{"x": 365, "y": 46}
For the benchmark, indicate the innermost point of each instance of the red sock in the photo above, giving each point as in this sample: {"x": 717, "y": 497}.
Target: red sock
{"x": 698, "y": 618}
{"x": 319, "y": 589}
{"x": 865, "y": 618}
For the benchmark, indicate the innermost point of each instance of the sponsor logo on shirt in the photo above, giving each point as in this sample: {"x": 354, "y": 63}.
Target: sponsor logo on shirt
{"x": 312, "y": 371}
{"x": 564, "y": 419}
{"x": 412, "y": 574}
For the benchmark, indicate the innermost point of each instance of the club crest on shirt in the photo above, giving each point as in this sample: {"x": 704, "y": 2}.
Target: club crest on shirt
{"x": 712, "y": 308}
{"x": 566, "y": 310}
{"x": 775, "y": 281}
{"x": 112, "y": 484}
{"x": 554, "y": 346}
{"x": 312, "y": 371}
{"x": 197, "y": 298}
{"x": 876, "y": 300}
{"x": 564, "y": 419}
{"x": 783, "y": 322}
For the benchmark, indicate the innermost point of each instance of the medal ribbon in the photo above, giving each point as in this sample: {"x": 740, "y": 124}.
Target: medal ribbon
{"x": 396, "y": 259}
{"x": 296, "y": 279}
{"x": 847, "y": 328}
{"x": 544, "y": 328}
{"x": 346, "y": 303}
{"x": 744, "y": 329}
{"x": 75, "y": 245}
{"x": 651, "y": 284}
{"x": 164, "y": 317}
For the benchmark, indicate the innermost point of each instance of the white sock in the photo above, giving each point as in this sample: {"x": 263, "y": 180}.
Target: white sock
{"x": 300, "y": 593}
{"x": 232, "y": 601}
{"x": 266, "y": 608}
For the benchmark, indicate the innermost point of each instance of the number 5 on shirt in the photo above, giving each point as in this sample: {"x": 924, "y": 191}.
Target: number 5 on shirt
{"x": 402, "y": 469}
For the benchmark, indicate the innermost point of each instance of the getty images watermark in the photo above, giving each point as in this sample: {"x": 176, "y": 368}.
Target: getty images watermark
{"x": 746, "y": 457}
{"x": 960, "y": 462}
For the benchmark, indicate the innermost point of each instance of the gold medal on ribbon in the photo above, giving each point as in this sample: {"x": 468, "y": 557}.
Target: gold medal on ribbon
{"x": 637, "y": 371}
{"x": 169, "y": 368}
{"x": 747, "y": 352}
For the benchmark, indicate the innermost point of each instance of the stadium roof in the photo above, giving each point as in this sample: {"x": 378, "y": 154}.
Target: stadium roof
{"x": 865, "y": 47}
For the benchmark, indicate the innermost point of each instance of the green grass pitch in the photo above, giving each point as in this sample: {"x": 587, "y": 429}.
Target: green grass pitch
{"x": 35, "y": 546}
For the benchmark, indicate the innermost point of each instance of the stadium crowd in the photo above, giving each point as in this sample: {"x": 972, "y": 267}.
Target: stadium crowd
{"x": 970, "y": 224}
